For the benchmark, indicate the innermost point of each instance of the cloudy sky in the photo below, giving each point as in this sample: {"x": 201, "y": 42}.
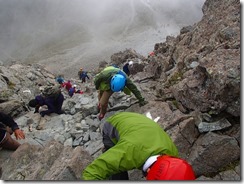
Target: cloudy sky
{"x": 37, "y": 29}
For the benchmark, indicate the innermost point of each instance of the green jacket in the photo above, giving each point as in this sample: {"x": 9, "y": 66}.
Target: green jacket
{"x": 136, "y": 138}
{"x": 102, "y": 81}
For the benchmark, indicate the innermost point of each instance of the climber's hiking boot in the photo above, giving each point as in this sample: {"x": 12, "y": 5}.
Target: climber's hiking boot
{"x": 41, "y": 124}
{"x": 39, "y": 127}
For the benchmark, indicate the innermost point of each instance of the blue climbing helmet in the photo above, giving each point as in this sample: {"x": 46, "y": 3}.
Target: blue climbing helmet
{"x": 117, "y": 82}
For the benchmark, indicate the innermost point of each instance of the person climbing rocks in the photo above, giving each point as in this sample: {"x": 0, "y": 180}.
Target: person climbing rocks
{"x": 67, "y": 85}
{"x": 133, "y": 141}
{"x": 151, "y": 54}
{"x": 50, "y": 101}
{"x": 60, "y": 79}
{"x": 83, "y": 75}
{"x": 74, "y": 90}
{"x": 111, "y": 80}
{"x": 126, "y": 67}
{"x": 53, "y": 100}
{"x": 7, "y": 127}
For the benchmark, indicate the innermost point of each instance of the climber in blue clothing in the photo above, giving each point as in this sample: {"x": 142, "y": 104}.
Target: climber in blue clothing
{"x": 83, "y": 75}
{"x": 60, "y": 79}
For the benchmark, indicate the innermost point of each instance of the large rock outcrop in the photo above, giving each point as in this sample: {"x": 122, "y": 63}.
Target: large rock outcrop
{"x": 192, "y": 84}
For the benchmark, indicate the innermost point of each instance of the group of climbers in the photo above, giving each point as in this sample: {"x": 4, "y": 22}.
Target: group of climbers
{"x": 131, "y": 140}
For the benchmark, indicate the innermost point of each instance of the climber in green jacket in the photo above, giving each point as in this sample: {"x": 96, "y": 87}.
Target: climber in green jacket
{"x": 133, "y": 141}
{"x": 110, "y": 80}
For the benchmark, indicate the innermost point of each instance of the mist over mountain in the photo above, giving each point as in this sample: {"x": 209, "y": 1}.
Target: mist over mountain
{"x": 192, "y": 85}
{"x": 84, "y": 32}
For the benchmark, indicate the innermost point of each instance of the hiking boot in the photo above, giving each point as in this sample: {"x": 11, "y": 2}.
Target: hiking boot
{"x": 39, "y": 127}
{"x": 41, "y": 124}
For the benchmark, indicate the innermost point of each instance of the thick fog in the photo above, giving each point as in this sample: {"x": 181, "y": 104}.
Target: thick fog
{"x": 84, "y": 32}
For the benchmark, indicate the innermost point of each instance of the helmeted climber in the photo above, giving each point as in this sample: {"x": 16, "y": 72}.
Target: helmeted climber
{"x": 133, "y": 141}
{"x": 110, "y": 80}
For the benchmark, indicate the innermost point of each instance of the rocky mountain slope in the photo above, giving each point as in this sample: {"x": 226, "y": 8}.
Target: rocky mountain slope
{"x": 192, "y": 84}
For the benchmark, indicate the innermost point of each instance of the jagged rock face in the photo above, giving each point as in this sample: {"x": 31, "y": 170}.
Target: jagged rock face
{"x": 121, "y": 57}
{"x": 206, "y": 155}
{"x": 206, "y": 75}
{"x": 192, "y": 85}
{"x": 53, "y": 162}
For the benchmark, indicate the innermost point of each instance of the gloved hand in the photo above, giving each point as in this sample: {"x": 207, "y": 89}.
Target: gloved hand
{"x": 42, "y": 113}
{"x": 19, "y": 134}
{"x": 101, "y": 116}
{"x": 142, "y": 103}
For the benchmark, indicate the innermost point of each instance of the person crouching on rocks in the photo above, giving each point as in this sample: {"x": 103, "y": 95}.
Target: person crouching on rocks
{"x": 54, "y": 104}
{"x": 133, "y": 141}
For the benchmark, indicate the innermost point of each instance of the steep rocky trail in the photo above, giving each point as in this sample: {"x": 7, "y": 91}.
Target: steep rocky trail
{"x": 192, "y": 84}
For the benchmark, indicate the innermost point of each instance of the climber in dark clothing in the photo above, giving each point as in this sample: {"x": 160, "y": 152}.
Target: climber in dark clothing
{"x": 54, "y": 104}
{"x": 7, "y": 127}
{"x": 60, "y": 79}
{"x": 126, "y": 67}
{"x": 83, "y": 75}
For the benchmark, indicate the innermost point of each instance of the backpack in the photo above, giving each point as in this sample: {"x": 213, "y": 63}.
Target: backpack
{"x": 51, "y": 91}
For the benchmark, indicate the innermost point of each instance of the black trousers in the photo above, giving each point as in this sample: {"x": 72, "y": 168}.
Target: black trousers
{"x": 120, "y": 176}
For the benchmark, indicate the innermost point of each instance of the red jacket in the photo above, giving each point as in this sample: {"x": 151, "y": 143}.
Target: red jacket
{"x": 67, "y": 85}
